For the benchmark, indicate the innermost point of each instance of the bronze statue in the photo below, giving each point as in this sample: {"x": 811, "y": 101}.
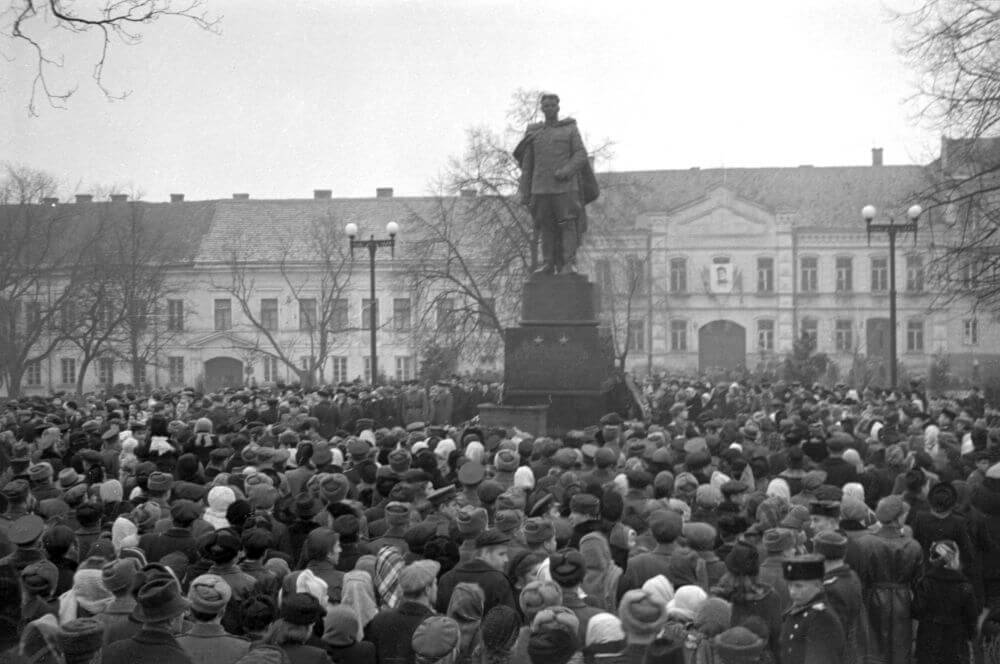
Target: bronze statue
{"x": 557, "y": 182}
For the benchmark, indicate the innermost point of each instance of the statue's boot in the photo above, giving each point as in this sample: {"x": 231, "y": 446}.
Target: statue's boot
{"x": 545, "y": 268}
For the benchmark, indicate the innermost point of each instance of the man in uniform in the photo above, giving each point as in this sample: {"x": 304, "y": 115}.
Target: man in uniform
{"x": 556, "y": 182}
{"x": 811, "y": 632}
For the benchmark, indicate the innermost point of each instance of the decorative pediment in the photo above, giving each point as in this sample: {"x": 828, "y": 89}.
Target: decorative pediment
{"x": 720, "y": 214}
{"x": 223, "y": 339}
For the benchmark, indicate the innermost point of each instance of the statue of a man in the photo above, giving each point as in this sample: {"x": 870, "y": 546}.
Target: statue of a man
{"x": 557, "y": 181}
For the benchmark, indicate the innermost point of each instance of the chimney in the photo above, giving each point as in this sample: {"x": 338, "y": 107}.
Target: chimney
{"x": 176, "y": 198}
{"x": 468, "y": 193}
{"x": 241, "y": 197}
{"x": 119, "y": 198}
{"x": 322, "y": 194}
{"x": 84, "y": 198}
{"x": 876, "y": 156}
{"x": 50, "y": 200}
{"x": 383, "y": 192}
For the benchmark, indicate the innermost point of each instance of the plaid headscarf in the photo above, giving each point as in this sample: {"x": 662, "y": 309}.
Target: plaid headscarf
{"x": 388, "y": 564}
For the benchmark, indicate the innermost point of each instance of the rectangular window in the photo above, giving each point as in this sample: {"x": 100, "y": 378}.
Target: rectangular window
{"x": 368, "y": 369}
{"x": 915, "y": 336}
{"x": 270, "y": 369}
{"x": 635, "y": 273}
{"x": 404, "y": 367}
{"x": 809, "y": 328}
{"x": 970, "y": 331}
{"x": 223, "y": 314}
{"x": 602, "y": 267}
{"x": 637, "y": 335}
{"x": 339, "y": 374}
{"x": 843, "y": 336}
{"x": 969, "y": 273}
{"x": 366, "y": 314}
{"x": 678, "y": 275}
{"x": 33, "y": 374}
{"x": 305, "y": 362}
{"x": 340, "y": 314}
{"x": 32, "y": 315}
{"x": 140, "y": 370}
{"x": 809, "y": 275}
{"x": 269, "y": 314}
{"x": 845, "y": 275}
{"x": 67, "y": 371}
{"x": 106, "y": 371}
{"x": 765, "y": 335}
{"x": 880, "y": 275}
{"x": 486, "y": 312}
{"x": 915, "y": 274}
{"x": 401, "y": 314}
{"x": 70, "y": 318}
{"x": 765, "y": 275}
{"x": 307, "y": 314}
{"x": 445, "y": 311}
{"x": 175, "y": 315}
{"x": 678, "y": 335}
{"x": 175, "y": 370}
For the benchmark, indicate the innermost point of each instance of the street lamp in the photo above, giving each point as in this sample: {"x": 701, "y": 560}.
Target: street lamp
{"x": 868, "y": 212}
{"x": 392, "y": 228}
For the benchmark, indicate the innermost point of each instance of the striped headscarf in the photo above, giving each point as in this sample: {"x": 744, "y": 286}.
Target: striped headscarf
{"x": 388, "y": 564}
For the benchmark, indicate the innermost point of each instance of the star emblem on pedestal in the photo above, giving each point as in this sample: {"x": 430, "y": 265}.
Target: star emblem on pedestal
{"x": 564, "y": 339}
{"x": 539, "y": 339}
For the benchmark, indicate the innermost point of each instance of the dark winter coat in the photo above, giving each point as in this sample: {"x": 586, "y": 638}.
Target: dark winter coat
{"x": 361, "y": 652}
{"x": 496, "y": 587}
{"x": 843, "y": 591}
{"x": 945, "y": 605}
{"x": 811, "y": 634}
{"x": 149, "y": 646}
{"x": 890, "y": 564}
{"x": 392, "y": 632}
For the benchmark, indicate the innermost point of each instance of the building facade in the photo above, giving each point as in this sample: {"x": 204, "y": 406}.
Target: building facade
{"x": 702, "y": 271}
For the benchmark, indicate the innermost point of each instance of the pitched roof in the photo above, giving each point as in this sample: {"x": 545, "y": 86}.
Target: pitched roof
{"x": 823, "y": 197}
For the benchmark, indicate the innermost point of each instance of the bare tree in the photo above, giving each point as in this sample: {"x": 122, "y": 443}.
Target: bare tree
{"x": 953, "y": 47}
{"x": 32, "y": 22}
{"x": 621, "y": 252}
{"x": 44, "y": 260}
{"x": 24, "y": 185}
{"x": 316, "y": 282}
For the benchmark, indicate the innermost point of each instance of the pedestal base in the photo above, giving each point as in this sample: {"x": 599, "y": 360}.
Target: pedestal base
{"x": 565, "y": 299}
{"x": 566, "y": 410}
{"x": 531, "y": 419}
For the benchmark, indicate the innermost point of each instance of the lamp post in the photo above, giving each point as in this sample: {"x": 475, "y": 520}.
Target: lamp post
{"x": 868, "y": 212}
{"x": 392, "y": 228}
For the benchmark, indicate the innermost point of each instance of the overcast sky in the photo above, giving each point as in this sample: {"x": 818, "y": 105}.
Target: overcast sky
{"x": 298, "y": 95}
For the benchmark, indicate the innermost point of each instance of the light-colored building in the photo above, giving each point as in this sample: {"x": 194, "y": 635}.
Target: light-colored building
{"x": 702, "y": 270}
{"x": 737, "y": 264}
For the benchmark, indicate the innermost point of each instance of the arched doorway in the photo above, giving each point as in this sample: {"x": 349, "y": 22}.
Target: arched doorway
{"x": 223, "y": 372}
{"x": 722, "y": 344}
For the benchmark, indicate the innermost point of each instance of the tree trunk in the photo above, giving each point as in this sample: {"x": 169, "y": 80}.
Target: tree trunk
{"x": 14, "y": 377}
{"x": 84, "y": 365}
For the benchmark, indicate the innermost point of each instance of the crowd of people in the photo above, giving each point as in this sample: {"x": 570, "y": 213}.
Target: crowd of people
{"x": 737, "y": 524}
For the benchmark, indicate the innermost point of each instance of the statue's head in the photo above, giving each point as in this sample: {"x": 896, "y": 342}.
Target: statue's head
{"x": 550, "y": 105}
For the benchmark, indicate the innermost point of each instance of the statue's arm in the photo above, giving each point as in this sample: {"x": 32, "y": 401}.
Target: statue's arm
{"x": 577, "y": 158}
{"x": 527, "y": 169}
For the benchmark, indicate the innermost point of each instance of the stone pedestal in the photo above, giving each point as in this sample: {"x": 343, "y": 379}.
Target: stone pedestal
{"x": 556, "y": 358}
{"x": 525, "y": 418}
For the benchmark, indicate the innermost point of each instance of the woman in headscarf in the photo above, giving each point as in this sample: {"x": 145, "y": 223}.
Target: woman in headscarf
{"x": 600, "y": 581}
{"x": 88, "y": 597}
{"x": 359, "y": 594}
{"x": 605, "y": 642}
{"x": 388, "y": 565}
{"x": 778, "y": 488}
{"x": 499, "y": 633}
{"x": 945, "y": 605}
{"x": 466, "y": 607}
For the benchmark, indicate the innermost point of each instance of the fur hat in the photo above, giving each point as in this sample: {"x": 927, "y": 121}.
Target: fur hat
{"x": 642, "y": 614}
{"x": 567, "y": 567}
